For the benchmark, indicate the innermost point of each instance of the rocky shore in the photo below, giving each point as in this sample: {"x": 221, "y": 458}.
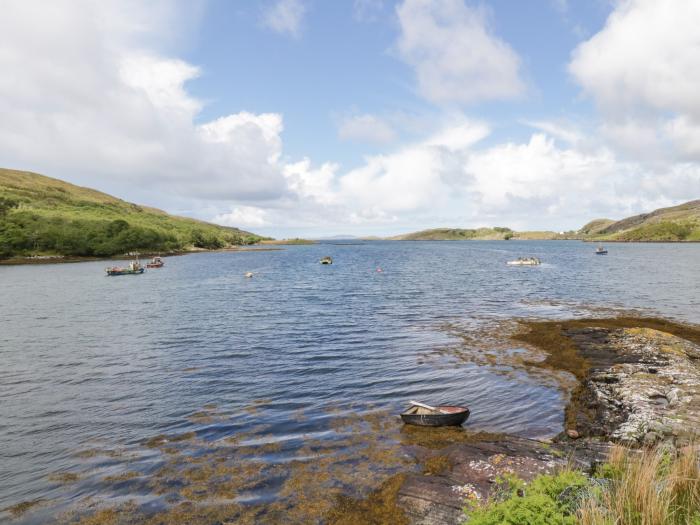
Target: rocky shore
{"x": 639, "y": 385}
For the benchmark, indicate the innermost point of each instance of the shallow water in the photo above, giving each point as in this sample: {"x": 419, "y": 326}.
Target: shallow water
{"x": 91, "y": 362}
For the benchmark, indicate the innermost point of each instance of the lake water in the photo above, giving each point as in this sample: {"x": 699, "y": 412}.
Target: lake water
{"x": 91, "y": 363}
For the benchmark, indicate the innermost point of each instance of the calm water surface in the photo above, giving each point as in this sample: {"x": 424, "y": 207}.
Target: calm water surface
{"x": 90, "y": 361}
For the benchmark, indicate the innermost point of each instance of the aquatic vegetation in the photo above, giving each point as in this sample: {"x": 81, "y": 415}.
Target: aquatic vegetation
{"x": 64, "y": 477}
{"x": 442, "y": 437}
{"x": 379, "y": 507}
{"x": 562, "y": 353}
{"x": 434, "y": 465}
{"x": 205, "y": 480}
{"x": 20, "y": 508}
{"x": 125, "y": 476}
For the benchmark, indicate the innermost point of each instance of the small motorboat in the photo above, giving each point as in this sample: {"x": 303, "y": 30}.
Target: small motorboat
{"x": 249, "y": 275}
{"x": 601, "y": 251}
{"x": 525, "y": 261}
{"x": 156, "y": 262}
{"x": 326, "y": 260}
{"x": 424, "y": 415}
{"x": 134, "y": 268}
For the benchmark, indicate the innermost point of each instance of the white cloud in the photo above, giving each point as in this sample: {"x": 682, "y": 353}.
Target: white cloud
{"x": 366, "y": 128}
{"x": 448, "y": 179}
{"x": 90, "y": 99}
{"x": 641, "y": 69}
{"x": 308, "y": 183}
{"x": 561, "y": 131}
{"x": 285, "y": 17}
{"x": 456, "y": 57}
{"x": 243, "y": 216}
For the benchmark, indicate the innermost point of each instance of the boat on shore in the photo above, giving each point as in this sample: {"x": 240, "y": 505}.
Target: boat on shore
{"x": 423, "y": 415}
{"x": 525, "y": 261}
{"x": 156, "y": 262}
{"x": 326, "y": 260}
{"x": 134, "y": 268}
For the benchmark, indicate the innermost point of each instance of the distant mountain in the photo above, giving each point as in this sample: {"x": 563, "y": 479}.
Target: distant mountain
{"x": 42, "y": 215}
{"x": 477, "y": 234}
{"x": 595, "y": 226}
{"x": 677, "y": 223}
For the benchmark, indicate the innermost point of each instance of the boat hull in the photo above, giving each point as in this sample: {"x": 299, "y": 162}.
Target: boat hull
{"x": 455, "y": 417}
{"x": 125, "y": 272}
{"x": 151, "y": 265}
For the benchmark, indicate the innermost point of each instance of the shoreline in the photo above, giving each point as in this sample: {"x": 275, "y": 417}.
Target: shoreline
{"x": 638, "y": 386}
{"x": 60, "y": 259}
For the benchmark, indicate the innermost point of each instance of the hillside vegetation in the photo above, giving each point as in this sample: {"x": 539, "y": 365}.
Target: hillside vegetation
{"x": 677, "y": 223}
{"x": 42, "y": 215}
{"x": 477, "y": 234}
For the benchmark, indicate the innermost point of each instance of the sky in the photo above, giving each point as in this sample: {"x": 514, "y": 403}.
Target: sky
{"x": 312, "y": 118}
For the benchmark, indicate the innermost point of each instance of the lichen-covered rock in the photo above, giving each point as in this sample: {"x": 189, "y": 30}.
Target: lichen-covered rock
{"x": 643, "y": 386}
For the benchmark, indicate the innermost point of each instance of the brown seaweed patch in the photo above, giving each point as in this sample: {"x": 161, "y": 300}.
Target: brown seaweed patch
{"x": 256, "y": 405}
{"x": 436, "y": 465}
{"x": 162, "y": 439}
{"x": 379, "y": 507}
{"x": 562, "y": 353}
{"x": 442, "y": 437}
{"x": 64, "y": 477}
{"x": 94, "y": 452}
{"x": 124, "y": 476}
{"x": 201, "y": 417}
{"x": 20, "y": 508}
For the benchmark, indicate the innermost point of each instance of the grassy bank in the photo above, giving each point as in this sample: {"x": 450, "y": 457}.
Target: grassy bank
{"x": 649, "y": 487}
{"x": 44, "y": 216}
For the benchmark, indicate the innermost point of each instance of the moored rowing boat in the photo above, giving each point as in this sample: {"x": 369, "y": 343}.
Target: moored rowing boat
{"x": 439, "y": 416}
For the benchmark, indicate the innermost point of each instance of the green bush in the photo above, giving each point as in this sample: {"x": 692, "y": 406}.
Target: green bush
{"x": 547, "y": 500}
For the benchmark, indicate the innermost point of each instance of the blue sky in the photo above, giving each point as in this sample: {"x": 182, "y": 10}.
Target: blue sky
{"x": 363, "y": 117}
{"x": 344, "y": 62}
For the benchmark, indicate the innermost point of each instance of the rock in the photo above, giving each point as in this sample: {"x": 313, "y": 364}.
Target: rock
{"x": 643, "y": 386}
{"x": 476, "y": 469}
{"x": 573, "y": 434}
{"x": 650, "y": 438}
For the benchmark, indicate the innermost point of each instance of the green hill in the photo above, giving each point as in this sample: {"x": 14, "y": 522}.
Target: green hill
{"x": 595, "y": 226}
{"x": 42, "y": 215}
{"x": 477, "y": 234}
{"x": 677, "y": 223}
{"x": 456, "y": 234}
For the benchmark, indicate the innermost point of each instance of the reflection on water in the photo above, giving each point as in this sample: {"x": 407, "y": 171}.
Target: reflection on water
{"x": 115, "y": 387}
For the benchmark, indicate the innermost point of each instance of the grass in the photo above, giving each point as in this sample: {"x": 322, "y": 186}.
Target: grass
{"x": 662, "y": 231}
{"x": 475, "y": 234}
{"x": 648, "y": 487}
{"x": 50, "y": 216}
{"x": 547, "y": 500}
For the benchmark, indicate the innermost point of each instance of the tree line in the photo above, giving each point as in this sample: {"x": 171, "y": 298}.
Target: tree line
{"x": 24, "y": 232}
